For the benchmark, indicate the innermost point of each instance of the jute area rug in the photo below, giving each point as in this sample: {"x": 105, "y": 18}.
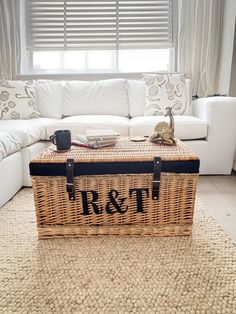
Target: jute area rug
{"x": 113, "y": 274}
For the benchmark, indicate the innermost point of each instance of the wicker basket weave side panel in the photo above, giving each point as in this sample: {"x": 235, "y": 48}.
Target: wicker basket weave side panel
{"x": 120, "y": 207}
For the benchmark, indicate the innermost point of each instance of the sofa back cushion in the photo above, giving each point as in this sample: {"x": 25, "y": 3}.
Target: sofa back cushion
{"x": 49, "y": 98}
{"x": 107, "y": 97}
{"x": 136, "y": 95}
{"x": 17, "y": 101}
{"x": 137, "y": 98}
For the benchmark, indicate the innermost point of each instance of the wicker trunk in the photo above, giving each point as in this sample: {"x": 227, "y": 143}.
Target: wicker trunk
{"x": 127, "y": 189}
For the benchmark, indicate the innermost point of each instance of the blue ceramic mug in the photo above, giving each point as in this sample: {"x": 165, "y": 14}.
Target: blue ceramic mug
{"x": 62, "y": 139}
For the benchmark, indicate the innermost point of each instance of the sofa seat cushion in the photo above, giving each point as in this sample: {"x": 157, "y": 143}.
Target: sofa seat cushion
{"x": 186, "y": 127}
{"x": 78, "y": 124}
{"x": 8, "y": 144}
{"x": 26, "y": 131}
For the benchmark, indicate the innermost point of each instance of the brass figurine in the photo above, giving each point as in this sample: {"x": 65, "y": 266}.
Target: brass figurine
{"x": 163, "y": 131}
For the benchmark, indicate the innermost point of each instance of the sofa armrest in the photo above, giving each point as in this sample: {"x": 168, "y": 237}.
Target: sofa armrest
{"x": 220, "y": 115}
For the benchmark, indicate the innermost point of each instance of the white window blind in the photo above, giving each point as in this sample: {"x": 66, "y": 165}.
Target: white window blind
{"x": 99, "y": 24}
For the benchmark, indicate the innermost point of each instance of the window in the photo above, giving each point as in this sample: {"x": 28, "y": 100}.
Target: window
{"x": 99, "y": 35}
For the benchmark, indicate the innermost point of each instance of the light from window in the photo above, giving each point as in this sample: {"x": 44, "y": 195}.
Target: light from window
{"x": 73, "y": 60}
{"x": 144, "y": 60}
{"x": 102, "y": 61}
{"x": 50, "y": 60}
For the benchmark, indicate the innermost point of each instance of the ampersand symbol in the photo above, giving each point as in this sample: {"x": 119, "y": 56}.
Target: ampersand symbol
{"x": 116, "y": 203}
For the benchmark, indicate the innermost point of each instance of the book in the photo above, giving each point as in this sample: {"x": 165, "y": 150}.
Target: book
{"x": 85, "y": 139}
{"x": 95, "y": 143}
{"x": 104, "y": 144}
{"x": 101, "y": 134}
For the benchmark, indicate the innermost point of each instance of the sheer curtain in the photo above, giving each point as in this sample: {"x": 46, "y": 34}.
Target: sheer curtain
{"x": 199, "y": 39}
{"x": 9, "y": 38}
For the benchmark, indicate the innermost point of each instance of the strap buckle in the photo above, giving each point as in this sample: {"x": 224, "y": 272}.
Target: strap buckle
{"x": 70, "y": 187}
{"x": 156, "y": 178}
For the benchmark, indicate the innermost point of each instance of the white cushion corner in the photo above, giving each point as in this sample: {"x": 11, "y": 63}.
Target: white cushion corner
{"x": 9, "y": 144}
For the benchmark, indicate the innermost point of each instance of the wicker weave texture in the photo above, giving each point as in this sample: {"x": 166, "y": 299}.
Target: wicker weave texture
{"x": 124, "y": 150}
{"x": 170, "y": 215}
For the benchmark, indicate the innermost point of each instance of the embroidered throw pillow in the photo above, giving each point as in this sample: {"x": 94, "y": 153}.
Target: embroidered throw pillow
{"x": 17, "y": 101}
{"x": 163, "y": 90}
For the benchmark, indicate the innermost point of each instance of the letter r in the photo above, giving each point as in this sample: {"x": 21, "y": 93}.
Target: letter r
{"x": 86, "y": 202}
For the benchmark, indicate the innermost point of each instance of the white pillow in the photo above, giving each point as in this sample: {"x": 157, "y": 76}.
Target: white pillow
{"x": 136, "y": 94}
{"x": 17, "y": 101}
{"x": 50, "y": 98}
{"x": 96, "y": 97}
{"x": 163, "y": 90}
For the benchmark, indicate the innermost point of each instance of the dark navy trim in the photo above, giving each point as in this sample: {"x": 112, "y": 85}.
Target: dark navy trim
{"x": 100, "y": 168}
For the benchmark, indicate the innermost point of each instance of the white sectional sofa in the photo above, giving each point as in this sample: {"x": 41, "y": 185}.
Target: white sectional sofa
{"x": 210, "y": 129}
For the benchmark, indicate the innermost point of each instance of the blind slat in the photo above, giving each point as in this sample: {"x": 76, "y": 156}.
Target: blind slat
{"x": 113, "y": 24}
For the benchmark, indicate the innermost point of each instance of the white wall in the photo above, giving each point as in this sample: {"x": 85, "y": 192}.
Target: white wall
{"x": 227, "y": 42}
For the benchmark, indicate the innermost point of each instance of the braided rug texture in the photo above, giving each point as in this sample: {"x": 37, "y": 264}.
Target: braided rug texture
{"x": 186, "y": 275}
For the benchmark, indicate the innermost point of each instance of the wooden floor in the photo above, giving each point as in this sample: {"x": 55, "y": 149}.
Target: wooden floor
{"x": 218, "y": 194}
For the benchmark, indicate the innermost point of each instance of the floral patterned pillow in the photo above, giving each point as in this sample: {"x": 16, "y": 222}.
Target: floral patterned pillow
{"x": 17, "y": 101}
{"x": 163, "y": 90}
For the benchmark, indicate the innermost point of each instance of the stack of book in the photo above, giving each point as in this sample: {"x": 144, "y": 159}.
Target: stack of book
{"x": 98, "y": 138}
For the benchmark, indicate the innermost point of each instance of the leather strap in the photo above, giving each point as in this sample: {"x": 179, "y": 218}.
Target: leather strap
{"x": 156, "y": 178}
{"x": 70, "y": 179}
